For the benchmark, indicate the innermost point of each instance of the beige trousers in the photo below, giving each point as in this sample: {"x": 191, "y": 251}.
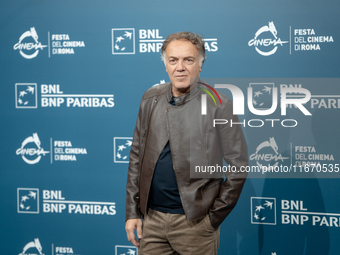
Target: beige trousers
{"x": 165, "y": 233}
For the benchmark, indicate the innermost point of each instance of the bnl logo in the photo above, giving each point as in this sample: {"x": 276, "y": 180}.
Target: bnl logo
{"x": 121, "y": 149}
{"x": 123, "y": 41}
{"x": 263, "y": 210}
{"x": 26, "y": 95}
{"x": 125, "y": 250}
{"x": 28, "y": 200}
{"x": 254, "y": 94}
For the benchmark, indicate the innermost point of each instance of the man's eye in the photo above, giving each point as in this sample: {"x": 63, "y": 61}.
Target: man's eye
{"x": 190, "y": 61}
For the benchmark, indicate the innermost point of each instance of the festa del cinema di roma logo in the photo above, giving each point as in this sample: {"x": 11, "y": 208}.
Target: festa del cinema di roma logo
{"x": 35, "y": 248}
{"x": 31, "y": 150}
{"x": 32, "y": 248}
{"x": 269, "y": 153}
{"x": 27, "y": 48}
{"x": 31, "y": 154}
{"x": 262, "y": 40}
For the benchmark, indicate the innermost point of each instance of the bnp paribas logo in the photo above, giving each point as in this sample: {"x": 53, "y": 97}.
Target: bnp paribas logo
{"x": 28, "y": 200}
{"x": 125, "y": 250}
{"x": 26, "y": 96}
{"x": 121, "y": 149}
{"x": 123, "y": 41}
{"x": 204, "y": 97}
{"x": 263, "y": 210}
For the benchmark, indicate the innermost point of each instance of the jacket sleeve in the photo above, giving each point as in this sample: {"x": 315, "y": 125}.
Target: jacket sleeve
{"x": 235, "y": 153}
{"x": 132, "y": 186}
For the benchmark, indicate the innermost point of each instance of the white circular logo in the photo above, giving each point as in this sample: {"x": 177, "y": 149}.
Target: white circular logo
{"x": 30, "y": 46}
{"x": 32, "y": 152}
{"x": 265, "y": 158}
{"x": 267, "y": 42}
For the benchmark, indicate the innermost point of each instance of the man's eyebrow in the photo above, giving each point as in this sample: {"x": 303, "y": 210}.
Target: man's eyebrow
{"x": 183, "y": 57}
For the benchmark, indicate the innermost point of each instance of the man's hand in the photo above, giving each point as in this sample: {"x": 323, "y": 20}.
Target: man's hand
{"x": 130, "y": 227}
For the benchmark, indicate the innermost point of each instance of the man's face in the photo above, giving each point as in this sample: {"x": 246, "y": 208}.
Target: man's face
{"x": 182, "y": 65}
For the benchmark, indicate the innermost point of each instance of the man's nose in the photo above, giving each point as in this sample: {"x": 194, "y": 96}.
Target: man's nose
{"x": 180, "y": 66}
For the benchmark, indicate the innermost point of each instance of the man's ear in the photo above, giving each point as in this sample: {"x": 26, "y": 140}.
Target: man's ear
{"x": 201, "y": 66}
{"x": 166, "y": 69}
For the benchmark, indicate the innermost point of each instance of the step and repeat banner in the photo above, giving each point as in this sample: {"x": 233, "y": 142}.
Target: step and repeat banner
{"x": 72, "y": 76}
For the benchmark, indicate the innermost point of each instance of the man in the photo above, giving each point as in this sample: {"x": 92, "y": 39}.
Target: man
{"x": 182, "y": 212}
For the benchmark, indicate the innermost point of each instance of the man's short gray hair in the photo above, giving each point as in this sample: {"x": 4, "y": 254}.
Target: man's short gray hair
{"x": 195, "y": 39}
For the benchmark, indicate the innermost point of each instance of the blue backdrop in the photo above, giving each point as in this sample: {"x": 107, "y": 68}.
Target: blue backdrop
{"x": 72, "y": 76}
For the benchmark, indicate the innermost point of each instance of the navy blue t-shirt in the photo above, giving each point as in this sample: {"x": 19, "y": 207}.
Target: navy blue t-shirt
{"x": 164, "y": 195}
